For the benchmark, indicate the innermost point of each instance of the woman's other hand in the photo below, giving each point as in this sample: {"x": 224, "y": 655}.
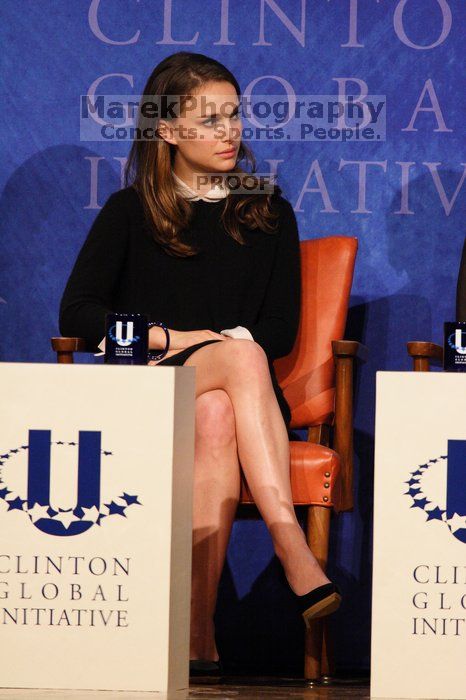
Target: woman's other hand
{"x": 179, "y": 340}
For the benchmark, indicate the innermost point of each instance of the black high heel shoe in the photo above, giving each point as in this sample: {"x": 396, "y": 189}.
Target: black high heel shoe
{"x": 204, "y": 667}
{"x": 319, "y": 602}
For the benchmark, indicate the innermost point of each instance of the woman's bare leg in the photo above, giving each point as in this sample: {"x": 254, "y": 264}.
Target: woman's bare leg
{"x": 240, "y": 368}
{"x": 215, "y": 499}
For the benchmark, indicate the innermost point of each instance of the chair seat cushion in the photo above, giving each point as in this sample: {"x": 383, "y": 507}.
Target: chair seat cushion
{"x": 315, "y": 471}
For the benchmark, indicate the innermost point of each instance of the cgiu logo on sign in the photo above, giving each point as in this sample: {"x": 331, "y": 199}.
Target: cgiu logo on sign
{"x": 456, "y": 342}
{"x": 116, "y": 333}
{"x": 439, "y": 488}
{"x": 88, "y": 509}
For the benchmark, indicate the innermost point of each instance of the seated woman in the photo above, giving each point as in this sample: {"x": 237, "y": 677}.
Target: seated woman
{"x": 222, "y": 270}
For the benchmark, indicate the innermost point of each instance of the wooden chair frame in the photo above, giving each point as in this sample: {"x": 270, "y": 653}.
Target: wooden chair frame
{"x": 319, "y": 657}
{"x": 423, "y": 353}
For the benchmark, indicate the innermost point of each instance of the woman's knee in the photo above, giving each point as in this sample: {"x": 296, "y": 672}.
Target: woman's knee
{"x": 215, "y": 418}
{"x": 248, "y": 362}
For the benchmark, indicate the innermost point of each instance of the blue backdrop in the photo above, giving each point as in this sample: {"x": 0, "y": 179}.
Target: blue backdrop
{"x": 407, "y": 210}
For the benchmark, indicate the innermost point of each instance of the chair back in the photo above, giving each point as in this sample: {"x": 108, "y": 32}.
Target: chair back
{"x": 307, "y": 374}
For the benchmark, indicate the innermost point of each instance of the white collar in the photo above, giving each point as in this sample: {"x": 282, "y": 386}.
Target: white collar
{"x": 213, "y": 195}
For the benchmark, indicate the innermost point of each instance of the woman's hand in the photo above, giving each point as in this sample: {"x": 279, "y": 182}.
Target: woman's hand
{"x": 179, "y": 340}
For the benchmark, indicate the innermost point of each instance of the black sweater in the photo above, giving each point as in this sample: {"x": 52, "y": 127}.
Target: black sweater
{"x": 121, "y": 268}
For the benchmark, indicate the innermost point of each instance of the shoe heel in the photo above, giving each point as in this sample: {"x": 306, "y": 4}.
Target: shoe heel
{"x": 323, "y": 607}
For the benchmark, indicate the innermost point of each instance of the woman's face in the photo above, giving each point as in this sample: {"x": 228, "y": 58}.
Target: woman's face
{"x": 209, "y": 126}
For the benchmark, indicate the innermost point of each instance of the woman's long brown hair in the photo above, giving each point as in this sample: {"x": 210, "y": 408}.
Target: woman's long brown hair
{"x": 150, "y": 162}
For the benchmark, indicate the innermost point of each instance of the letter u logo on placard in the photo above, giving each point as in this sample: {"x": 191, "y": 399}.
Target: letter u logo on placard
{"x": 459, "y": 342}
{"x": 129, "y": 333}
{"x": 438, "y": 487}
{"x": 88, "y": 486}
{"x": 456, "y": 487}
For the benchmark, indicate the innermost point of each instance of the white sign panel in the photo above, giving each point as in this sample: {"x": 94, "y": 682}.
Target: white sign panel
{"x": 95, "y": 526}
{"x": 419, "y": 566}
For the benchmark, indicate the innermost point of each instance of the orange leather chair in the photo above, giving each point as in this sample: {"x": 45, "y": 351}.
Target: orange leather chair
{"x": 317, "y": 381}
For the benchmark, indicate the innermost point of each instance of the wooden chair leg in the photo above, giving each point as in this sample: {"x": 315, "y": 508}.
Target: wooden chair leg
{"x": 328, "y": 651}
{"x": 313, "y": 651}
{"x": 317, "y": 533}
{"x": 65, "y": 357}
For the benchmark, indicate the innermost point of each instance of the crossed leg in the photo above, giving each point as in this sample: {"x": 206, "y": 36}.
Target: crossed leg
{"x": 216, "y": 494}
{"x": 234, "y": 380}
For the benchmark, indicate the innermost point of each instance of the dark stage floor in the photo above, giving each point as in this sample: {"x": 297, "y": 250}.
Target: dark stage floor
{"x": 204, "y": 688}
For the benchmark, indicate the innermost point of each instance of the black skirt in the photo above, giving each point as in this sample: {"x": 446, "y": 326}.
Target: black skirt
{"x": 180, "y": 358}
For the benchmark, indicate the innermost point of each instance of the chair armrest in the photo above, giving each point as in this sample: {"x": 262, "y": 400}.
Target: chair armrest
{"x": 345, "y": 352}
{"x": 422, "y": 352}
{"x": 65, "y": 347}
{"x": 349, "y": 348}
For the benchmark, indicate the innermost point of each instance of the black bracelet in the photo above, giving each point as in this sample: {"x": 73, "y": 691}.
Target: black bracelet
{"x": 159, "y": 356}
